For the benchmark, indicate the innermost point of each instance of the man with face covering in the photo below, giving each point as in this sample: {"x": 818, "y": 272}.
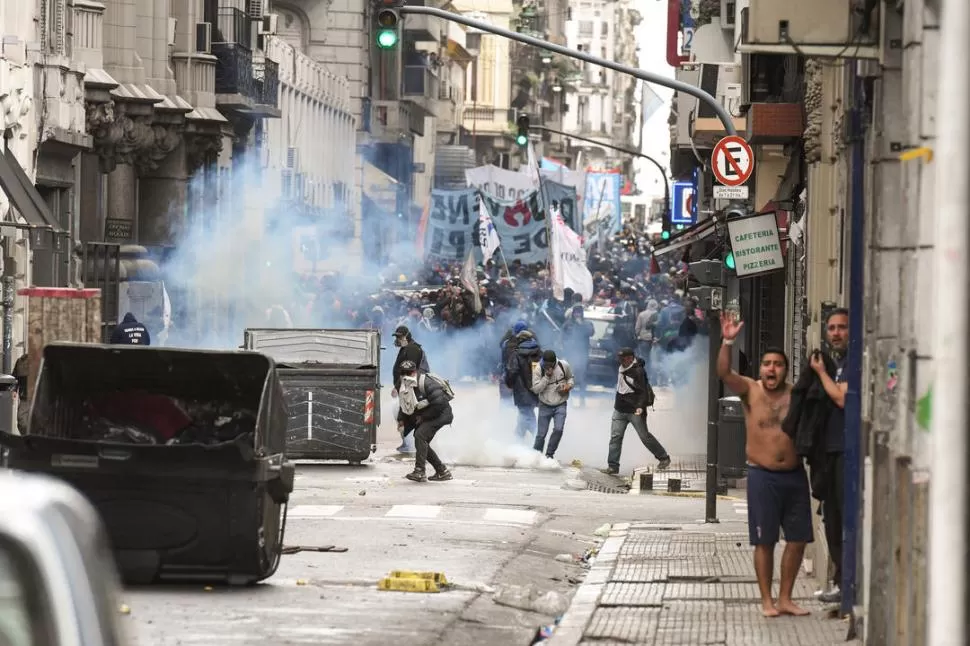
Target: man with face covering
{"x": 425, "y": 399}
{"x": 411, "y": 351}
{"x": 778, "y": 491}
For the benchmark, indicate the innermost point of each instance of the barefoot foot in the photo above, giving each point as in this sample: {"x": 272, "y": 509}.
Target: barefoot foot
{"x": 789, "y": 608}
{"x": 769, "y": 610}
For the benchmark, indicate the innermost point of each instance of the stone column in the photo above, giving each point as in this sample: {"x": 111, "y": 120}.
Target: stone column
{"x": 163, "y": 183}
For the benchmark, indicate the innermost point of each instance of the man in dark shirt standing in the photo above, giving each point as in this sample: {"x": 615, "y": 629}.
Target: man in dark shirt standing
{"x": 630, "y": 407}
{"x": 837, "y": 334}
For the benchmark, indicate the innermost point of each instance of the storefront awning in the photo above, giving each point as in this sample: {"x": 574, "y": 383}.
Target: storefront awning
{"x": 23, "y": 194}
{"x": 686, "y": 237}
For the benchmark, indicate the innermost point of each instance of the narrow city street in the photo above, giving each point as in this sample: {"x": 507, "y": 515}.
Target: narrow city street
{"x": 490, "y": 528}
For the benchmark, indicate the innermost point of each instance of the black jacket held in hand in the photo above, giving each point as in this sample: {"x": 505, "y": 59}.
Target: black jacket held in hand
{"x": 130, "y": 332}
{"x": 807, "y": 422}
{"x": 434, "y": 393}
{"x": 635, "y": 379}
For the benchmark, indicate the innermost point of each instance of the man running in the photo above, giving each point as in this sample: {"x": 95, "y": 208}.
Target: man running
{"x": 778, "y": 493}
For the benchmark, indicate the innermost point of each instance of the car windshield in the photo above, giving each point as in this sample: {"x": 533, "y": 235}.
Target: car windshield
{"x": 601, "y": 329}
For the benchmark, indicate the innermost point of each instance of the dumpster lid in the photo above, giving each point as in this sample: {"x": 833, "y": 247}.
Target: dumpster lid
{"x": 730, "y": 399}
{"x": 7, "y": 381}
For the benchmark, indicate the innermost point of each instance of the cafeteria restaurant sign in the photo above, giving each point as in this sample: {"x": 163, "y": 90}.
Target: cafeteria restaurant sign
{"x": 756, "y": 244}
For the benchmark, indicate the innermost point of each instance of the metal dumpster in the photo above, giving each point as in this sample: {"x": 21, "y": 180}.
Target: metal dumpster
{"x": 182, "y": 452}
{"x": 331, "y": 384}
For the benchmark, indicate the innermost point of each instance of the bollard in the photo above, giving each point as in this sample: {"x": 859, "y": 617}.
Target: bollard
{"x": 722, "y": 489}
{"x": 673, "y": 485}
{"x": 646, "y": 482}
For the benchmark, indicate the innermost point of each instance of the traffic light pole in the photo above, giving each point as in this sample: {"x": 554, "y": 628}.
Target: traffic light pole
{"x": 673, "y": 84}
{"x": 627, "y": 151}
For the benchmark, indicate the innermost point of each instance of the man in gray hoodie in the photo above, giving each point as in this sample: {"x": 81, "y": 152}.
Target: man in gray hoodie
{"x": 552, "y": 379}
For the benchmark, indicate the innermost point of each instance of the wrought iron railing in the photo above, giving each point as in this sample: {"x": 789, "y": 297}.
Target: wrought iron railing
{"x": 234, "y": 27}
{"x": 267, "y": 79}
{"x": 234, "y": 69}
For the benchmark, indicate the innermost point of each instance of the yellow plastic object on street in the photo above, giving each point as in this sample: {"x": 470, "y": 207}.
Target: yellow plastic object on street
{"x": 407, "y": 581}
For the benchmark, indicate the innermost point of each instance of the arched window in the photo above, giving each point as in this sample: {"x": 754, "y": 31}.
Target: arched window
{"x": 293, "y": 27}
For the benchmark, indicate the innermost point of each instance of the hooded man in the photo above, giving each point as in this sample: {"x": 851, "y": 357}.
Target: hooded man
{"x": 523, "y": 354}
{"x": 130, "y": 332}
{"x": 552, "y": 380}
{"x": 413, "y": 352}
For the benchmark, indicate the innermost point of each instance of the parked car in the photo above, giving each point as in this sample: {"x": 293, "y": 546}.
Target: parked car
{"x": 603, "y": 364}
{"x": 58, "y": 581}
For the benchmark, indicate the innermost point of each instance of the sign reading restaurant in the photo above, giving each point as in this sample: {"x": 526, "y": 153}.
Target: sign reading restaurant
{"x": 756, "y": 244}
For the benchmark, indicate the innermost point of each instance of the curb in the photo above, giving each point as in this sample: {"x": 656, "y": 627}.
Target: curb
{"x": 573, "y": 624}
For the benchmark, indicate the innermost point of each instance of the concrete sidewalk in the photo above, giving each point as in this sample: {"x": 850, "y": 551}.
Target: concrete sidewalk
{"x": 684, "y": 586}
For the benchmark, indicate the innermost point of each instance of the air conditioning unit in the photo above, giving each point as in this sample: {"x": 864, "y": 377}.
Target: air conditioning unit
{"x": 269, "y": 24}
{"x": 254, "y": 9}
{"x": 728, "y": 12}
{"x": 292, "y": 157}
{"x": 203, "y": 37}
{"x": 786, "y": 22}
{"x": 172, "y": 24}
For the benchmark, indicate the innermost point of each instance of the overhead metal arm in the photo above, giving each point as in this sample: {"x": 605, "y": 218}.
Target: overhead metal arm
{"x": 649, "y": 77}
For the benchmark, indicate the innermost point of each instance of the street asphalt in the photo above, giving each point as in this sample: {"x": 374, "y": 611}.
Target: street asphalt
{"x": 502, "y": 521}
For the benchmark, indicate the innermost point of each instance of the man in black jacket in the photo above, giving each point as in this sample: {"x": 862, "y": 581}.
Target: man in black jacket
{"x": 130, "y": 332}
{"x": 630, "y": 407}
{"x": 412, "y": 352}
{"x": 425, "y": 398}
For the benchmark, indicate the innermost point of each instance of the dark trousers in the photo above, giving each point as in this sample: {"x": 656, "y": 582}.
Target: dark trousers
{"x": 423, "y": 435}
{"x": 832, "y": 507}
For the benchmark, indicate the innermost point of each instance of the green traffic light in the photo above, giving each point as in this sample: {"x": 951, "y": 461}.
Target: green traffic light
{"x": 729, "y": 260}
{"x": 386, "y": 38}
{"x": 521, "y": 140}
{"x": 665, "y": 235}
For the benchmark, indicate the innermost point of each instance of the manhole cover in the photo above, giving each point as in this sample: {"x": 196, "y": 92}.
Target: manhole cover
{"x": 602, "y": 488}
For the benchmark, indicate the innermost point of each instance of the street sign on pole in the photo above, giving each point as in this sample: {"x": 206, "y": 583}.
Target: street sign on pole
{"x": 732, "y": 161}
{"x": 730, "y": 192}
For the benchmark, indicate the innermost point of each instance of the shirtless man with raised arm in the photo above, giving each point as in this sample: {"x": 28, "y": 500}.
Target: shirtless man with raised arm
{"x": 778, "y": 493}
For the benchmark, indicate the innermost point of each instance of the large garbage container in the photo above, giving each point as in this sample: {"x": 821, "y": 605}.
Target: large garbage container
{"x": 731, "y": 458}
{"x": 181, "y": 452}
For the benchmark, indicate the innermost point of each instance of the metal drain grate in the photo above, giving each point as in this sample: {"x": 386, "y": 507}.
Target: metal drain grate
{"x": 601, "y": 488}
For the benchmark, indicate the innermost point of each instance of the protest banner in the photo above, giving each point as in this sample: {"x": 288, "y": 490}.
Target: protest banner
{"x": 451, "y": 229}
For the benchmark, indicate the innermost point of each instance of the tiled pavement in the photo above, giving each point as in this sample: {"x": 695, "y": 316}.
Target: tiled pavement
{"x": 684, "y": 586}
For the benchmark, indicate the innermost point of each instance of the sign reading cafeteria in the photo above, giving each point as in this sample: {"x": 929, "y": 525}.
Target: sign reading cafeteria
{"x": 755, "y": 244}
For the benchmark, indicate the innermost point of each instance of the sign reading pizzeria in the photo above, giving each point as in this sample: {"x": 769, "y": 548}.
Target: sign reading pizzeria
{"x": 756, "y": 245}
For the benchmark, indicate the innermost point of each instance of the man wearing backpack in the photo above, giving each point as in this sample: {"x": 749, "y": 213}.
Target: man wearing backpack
{"x": 552, "y": 379}
{"x": 427, "y": 398}
{"x": 633, "y": 397}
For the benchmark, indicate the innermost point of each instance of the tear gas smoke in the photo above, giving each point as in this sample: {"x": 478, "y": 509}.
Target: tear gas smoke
{"x": 252, "y": 251}
{"x": 239, "y": 259}
{"x": 483, "y": 433}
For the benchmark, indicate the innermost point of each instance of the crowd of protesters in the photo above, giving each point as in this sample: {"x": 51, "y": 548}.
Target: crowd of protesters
{"x": 646, "y": 294}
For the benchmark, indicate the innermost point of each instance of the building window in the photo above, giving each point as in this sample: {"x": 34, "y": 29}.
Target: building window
{"x": 586, "y": 28}
{"x": 605, "y": 29}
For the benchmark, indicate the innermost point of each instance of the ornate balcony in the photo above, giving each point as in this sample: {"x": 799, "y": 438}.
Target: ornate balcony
{"x": 266, "y": 75}
{"x": 235, "y": 82}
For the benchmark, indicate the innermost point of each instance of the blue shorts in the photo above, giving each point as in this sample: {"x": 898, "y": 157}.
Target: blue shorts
{"x": 779, "y": 499}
